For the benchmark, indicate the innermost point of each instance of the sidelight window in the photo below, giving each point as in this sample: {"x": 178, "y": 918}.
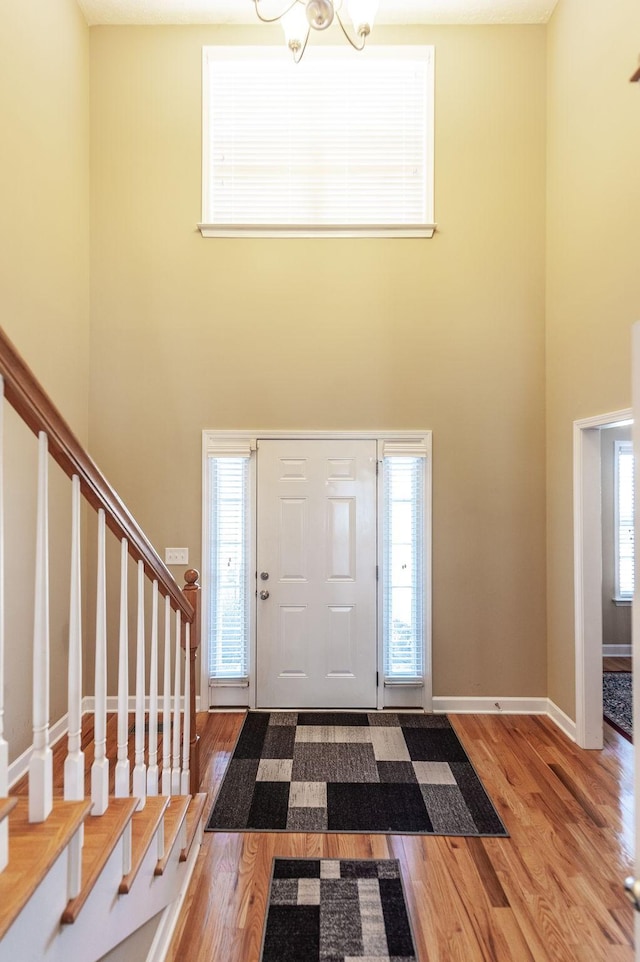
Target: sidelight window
{"x": 228, "y": 566}
{"x": 403, "y": 563}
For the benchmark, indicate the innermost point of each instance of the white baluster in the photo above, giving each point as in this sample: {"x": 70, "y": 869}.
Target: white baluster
{"x": 74, "y": 762}
{"x": 186, "y": 735}
{"x": 41, "y": 764}
{"x": 4, "y": 748}
{"x": 166, "y": 702}
{"x": 175, "y": 772}
{"x": 152, "y": 770}
{"x": 123, "y": 767}
{"x": 100, "y": 767}
{"x": 139, "y": 770}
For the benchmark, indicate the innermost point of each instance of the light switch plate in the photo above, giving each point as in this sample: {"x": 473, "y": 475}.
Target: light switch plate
{"x": 176, "y": 556}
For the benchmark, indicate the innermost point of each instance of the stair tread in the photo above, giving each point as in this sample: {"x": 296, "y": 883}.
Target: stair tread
{"x": 33, "y": 848}
{"x": 6, "y": 806}
{"x": 144, "y": 826}
{"x": 194, "y": 816}
{"x": 173, "y": 820}
{"x": 101, "y": 834}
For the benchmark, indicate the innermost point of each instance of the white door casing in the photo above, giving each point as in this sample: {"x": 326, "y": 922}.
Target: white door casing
{"x": 587, "y": 527}
{"x": 316, "y": 542}
{"x": 635, "y": 613}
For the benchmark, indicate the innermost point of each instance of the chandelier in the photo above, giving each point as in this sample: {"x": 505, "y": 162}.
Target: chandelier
{"x": 302, "y": 16}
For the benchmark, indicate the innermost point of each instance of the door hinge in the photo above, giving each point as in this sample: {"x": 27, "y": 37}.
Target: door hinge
{"x": 377, "y": 678}
{"x": 377, "y": 572}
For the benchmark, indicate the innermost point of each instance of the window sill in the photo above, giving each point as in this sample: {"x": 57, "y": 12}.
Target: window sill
{"x": 622, "y": 602}
{"x": 403, "y": 682}
{"x": 228, "y": 682}
{"x": 306, "y": 230}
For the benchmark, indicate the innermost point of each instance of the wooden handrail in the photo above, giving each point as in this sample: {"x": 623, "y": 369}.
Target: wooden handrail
{"x": 30, "y": 401}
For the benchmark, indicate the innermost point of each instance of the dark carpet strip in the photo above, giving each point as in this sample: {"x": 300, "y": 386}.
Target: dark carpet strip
{"x": 617, "y": 699}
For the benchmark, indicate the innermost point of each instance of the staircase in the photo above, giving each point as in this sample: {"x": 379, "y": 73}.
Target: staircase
{"x": 99, "y": 833}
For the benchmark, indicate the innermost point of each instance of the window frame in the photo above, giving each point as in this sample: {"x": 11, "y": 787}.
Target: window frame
{"x": 208, "y": 229}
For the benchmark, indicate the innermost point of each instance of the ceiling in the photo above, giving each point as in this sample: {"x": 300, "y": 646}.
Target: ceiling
{"x": 243, "y": 11}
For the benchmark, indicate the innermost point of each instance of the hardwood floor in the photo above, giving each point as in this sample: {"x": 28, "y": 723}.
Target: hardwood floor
{"x": 552, "y": 892}
{"x": 616, "y": 664}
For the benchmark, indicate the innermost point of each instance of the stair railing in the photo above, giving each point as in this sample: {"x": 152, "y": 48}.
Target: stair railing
{"x": 180, "y": 769}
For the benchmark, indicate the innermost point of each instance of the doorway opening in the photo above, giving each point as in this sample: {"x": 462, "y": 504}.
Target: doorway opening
{"x": 588, "y": 572}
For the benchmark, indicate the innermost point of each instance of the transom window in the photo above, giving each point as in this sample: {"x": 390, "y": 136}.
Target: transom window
{"x": 337, "y": 144}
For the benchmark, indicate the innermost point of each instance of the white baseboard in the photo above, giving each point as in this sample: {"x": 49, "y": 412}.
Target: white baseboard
{"x": 564, "y": 723}
{"x": 617, "y": 651}
{"x": 20, "y": 766}
{"x": 508, "y": 706}
{"x": 451, "y": 704}
{"x": 490, "y": 706}
{"x": 88, "y": 704}
{"x": 169, "y": 918}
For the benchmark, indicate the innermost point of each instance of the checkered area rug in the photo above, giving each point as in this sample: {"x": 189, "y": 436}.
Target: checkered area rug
{"x": 352, "y": 772}
{"x": 329, "y": 910}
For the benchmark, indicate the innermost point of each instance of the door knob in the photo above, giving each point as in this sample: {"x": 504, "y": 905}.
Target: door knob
{"x": 264, "y": 575}
{"x": 264, "y": 594}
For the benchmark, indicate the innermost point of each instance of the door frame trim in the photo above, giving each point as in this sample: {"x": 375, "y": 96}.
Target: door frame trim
{"x": 232, "y": 695}
{"x": 587, "y": 567}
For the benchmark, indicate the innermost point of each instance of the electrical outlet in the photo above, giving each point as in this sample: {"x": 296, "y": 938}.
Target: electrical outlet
{"x": 176, "y": 556}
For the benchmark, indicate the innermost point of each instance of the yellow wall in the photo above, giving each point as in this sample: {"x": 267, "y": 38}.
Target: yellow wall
{"x": 593, "y": 279}
{"x": 44, "y": 295}
{"x": 446, "y": 334}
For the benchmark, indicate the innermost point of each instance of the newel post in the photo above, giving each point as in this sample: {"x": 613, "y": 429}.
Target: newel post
{"x": 191, "y": 591}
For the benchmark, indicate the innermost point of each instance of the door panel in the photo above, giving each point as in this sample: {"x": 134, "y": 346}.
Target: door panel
{"x": 316, "y": 629}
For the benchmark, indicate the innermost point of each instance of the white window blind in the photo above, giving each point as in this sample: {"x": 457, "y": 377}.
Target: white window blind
{"x": 336, "y": 141}
{"x": 403, "y": 577}
{"x": 229, "y": 531}
{"x": 624, "y": 511}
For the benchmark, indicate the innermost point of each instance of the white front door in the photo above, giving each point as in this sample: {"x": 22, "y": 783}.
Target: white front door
{"x": 316, "y": 574}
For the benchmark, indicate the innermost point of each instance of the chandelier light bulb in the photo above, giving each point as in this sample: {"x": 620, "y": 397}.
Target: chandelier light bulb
{"x": 295, "y": 26}
{"x": 362, "y": 14}
{"x": 320, "y": 14}
{"x": 300, "y": 17}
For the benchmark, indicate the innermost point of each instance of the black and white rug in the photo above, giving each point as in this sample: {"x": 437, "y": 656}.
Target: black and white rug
{"x": 352, "y": 772}
{"x": 330, "y": 910}
{"x": 617, "y": 701}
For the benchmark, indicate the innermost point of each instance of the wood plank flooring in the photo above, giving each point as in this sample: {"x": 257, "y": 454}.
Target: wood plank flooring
{"x": 616, "y": 663}
{"x": 552, "y": 892}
